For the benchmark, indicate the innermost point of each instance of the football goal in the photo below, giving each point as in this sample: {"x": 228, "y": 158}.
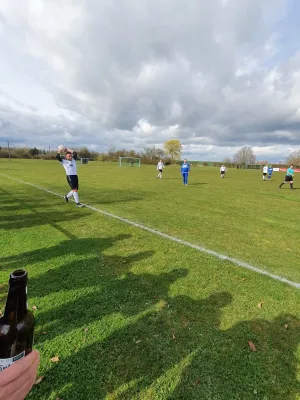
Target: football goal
{"x": 84, "y": 160}
{"x": 253, "y": 166}
{"x": 129, "y": 162}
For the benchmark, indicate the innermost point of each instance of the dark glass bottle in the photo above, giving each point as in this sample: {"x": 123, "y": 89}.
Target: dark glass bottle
{"x": 17, "y": 323}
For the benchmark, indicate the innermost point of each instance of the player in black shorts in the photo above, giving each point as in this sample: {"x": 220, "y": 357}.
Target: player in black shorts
{"x": 289, "y": 178}
{"x": 69, "y": 164}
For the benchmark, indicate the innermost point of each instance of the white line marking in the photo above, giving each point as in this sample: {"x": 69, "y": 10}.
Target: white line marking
{"x": 174, "y": 239}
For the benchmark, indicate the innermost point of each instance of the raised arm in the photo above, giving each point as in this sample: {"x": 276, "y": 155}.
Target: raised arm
{"x": 59, "y": 157}
{"x": 74, "y": 154}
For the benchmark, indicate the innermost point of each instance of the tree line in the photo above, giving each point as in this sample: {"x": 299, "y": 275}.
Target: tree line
{"x": 246, "y": 155}
{"x": 150, "y": 155}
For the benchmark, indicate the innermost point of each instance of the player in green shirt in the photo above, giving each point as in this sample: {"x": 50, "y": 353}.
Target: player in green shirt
{"x": 289, "y": 177}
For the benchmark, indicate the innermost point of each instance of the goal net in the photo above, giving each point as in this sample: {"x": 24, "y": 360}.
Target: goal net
{"x": 84, "y": 160}
{"x": 129, "y": 162}
{"x": 253, "y": 166}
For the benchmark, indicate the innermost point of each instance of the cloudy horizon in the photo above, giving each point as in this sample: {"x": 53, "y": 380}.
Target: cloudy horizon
{"x": 217, "y": 75}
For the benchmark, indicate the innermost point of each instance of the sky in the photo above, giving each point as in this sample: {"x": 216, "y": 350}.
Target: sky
{"x": 217, "y": 75}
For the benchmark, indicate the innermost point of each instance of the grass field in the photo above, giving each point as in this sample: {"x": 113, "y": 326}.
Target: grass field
{"x": 132, "y": 315}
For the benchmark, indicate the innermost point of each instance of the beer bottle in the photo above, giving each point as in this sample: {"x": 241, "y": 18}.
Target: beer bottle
{"x": 17, "y": 323}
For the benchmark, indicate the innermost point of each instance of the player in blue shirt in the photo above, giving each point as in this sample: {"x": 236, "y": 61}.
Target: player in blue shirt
{"x": 270, "y": 172}
{"x": 185, "y": 169}
{"x": 289, "y": 177}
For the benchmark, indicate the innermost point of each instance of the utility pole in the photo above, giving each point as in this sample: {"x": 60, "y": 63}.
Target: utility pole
{"x": 8, "y": 149}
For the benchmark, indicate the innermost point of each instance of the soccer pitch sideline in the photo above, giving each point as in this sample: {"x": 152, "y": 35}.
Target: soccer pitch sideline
{"x": 133, "y": 315}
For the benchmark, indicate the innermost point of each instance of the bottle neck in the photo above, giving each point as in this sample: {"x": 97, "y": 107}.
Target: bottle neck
{"x": 16, "y": 303}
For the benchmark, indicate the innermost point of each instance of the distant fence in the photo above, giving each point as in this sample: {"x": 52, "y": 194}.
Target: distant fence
{"x": 285, "y": 169}
{"x": 276, "y": 167}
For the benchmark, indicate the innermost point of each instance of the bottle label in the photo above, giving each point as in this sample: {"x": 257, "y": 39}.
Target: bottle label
{"x": 7, "y": 362}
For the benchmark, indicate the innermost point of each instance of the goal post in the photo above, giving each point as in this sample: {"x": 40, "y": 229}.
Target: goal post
{"x": 84, "y": 160}
{"x": 129, "y": 162}
{"x": 254, "y": 166}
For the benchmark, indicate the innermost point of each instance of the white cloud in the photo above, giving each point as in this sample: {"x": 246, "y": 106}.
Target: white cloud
{"x": 136, "y": 72}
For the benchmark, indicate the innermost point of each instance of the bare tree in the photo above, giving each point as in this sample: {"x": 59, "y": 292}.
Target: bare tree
{"x": 244, "y": 156}
{"x": 227, "y": 160}
{"x": 263, "y": 162}
{"x": 111, "y": 153}
{"x": 294, "y": 158}
{"x": 152, "y": 154}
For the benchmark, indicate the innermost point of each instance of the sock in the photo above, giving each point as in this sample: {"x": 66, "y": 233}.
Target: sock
{"x": 70, "y": 194}
{"x": 291, "y": 185}
{"x": 76, "y": 197}
{"x": 282, "y": 184}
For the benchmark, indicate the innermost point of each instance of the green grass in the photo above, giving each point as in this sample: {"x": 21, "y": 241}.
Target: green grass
{"x": 135, "y": 316}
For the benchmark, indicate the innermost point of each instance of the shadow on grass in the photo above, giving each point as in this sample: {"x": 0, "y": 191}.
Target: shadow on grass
{"x": 198, "y": 184}
{"x": 127, "y": 295}
{"x": 78, "y": 247}
{"x": 31, "y": 216}
{"x": 280, "y": 194}
{"x": 169, "y": 178}
{"x": 226, "y": 368}
{"x": 111, "y": 196}
{"x": 111, "y": 201}
{"x": 38, "y": 219}
{"x": 12, "y": 202}
{"x": 177, "y": 351}
{"x": 107, "y": 285}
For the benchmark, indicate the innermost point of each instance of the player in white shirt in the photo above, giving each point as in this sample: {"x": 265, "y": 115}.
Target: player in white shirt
{"x": 69, "y": 164}
{"x": 265, "y": 172}
{"x": 159, "y": 168}
{"x": 222, "y": 171}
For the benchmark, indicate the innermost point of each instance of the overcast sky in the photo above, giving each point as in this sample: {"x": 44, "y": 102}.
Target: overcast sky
{"x": 216, "y": 74}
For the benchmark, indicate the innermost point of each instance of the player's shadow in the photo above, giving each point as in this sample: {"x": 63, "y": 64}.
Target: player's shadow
{"x": 198, "y": 184}
{"x": 23, "y": 213}
{"x": 107, "y": 294}
{"x": 179, "y": 351}
{"x": 115, "y": 200}
{"x": 12, "y": 202}
{"x": 19, "y": 221}
{"x": 113, "y": 196}
{"x": 80, "y": 248}
{"x": 288, "y": 188}
{"x": 231, "y": 370}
